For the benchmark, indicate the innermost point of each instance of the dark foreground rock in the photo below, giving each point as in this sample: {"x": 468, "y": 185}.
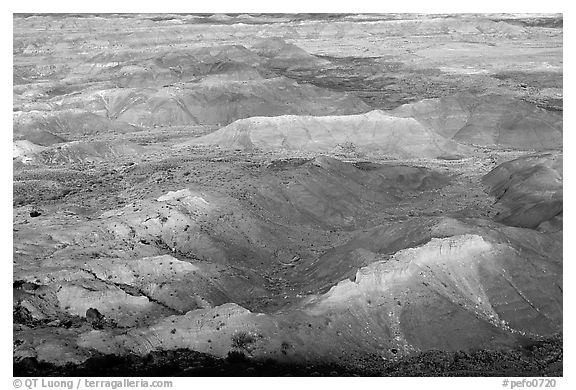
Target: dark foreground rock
{"x": 543, "y": 358}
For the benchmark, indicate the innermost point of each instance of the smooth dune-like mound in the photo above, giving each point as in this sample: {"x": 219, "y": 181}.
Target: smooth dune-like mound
{"x": 373, "y": 131}
{"x": 328, "y": 192}
{"x": 224, "y": 102}
{"x": 438, "y": 291}
{"x": 488, "y": 121}
{"x": 281, "y": 54}
{"x": 175, "y": 67}
{"x": 529, "y": 188}
{"x": 217, "y": 99}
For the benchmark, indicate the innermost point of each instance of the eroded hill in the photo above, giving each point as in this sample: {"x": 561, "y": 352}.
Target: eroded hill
{"x": 288, "y": 193}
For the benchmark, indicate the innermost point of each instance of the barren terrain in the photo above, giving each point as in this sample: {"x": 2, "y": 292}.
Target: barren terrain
{"x": 287, "y": 194}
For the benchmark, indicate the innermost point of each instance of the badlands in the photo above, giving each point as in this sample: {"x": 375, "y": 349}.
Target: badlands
{"x": 307, "y": 194}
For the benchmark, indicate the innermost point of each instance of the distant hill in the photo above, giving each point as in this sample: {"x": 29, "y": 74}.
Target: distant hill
{"x": 488, "y": 120}
{"x": 373, "y": 131}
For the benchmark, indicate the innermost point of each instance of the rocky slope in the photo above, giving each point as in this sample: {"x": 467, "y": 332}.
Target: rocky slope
{"x": 530, "y": 190}
{"x": 301, "y": 194}
{"x": 473, "y": 275}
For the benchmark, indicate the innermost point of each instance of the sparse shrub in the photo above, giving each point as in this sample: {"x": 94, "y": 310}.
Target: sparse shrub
{"x": 284, "y": 347}
{"x": 243, "y": 340}
{"x": 236, "y": 357}
{"x": 347, "y": 147}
